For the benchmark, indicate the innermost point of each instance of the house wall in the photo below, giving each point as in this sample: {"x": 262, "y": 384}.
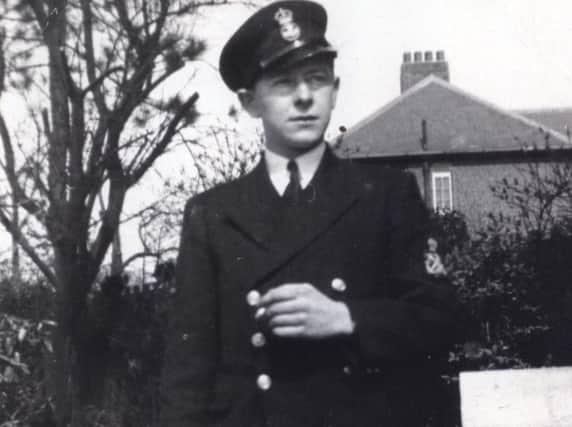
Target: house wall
{"x": 471, "y": 184}
{"x": 472, "y": 193}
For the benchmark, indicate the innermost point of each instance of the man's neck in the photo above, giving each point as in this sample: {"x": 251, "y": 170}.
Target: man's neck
{"x": 308, "y": 163}
{"x": 290, "y": 152}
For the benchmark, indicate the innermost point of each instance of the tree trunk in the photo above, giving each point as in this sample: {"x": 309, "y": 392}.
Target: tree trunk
{"x": 16, "y": 272}
{"x": 116, "y": 255}
{"x": 73, "y": 388}
{"x": 60, "y": 374}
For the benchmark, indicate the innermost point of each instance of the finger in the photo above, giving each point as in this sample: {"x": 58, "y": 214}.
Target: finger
{"x": 289, "y": 331}
{"x": 285, "y": 307}
{"x": 283, "y": 292}
{"x": 294, "y": 319}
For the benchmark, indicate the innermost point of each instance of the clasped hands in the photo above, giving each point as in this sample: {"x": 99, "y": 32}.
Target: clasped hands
{"x": 299, "y": 310}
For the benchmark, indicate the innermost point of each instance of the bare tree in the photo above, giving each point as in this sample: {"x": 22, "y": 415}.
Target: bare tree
{"x": 223, "y": 154}
{"x": 99, "y": 65}
{"x": 539, "y": 194}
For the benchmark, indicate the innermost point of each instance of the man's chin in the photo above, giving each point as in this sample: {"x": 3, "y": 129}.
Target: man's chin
{"x": 307, "y": 144}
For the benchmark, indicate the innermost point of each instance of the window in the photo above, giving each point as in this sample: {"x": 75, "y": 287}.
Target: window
{"x": 442, "y": 191}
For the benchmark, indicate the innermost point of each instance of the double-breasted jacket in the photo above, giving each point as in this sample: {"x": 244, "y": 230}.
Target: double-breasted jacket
{"x": 359, "y": 237}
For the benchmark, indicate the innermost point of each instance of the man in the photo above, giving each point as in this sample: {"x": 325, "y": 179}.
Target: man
{"x": 303, "y": 299}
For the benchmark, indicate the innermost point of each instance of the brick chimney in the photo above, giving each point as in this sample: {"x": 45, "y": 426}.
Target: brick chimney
{"x": 422, "y": 65}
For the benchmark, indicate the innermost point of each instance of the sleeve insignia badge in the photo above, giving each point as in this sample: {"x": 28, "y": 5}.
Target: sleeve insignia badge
{"x": 433, "y": 264}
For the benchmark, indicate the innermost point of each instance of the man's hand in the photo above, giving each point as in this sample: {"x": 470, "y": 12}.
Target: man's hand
{"x": 299, "y": 310}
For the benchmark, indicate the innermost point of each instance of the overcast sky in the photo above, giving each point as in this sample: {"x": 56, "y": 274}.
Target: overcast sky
{"x": 514, "y": 53}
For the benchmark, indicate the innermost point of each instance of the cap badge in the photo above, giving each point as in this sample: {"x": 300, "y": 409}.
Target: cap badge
{"x": 289, "y": 30}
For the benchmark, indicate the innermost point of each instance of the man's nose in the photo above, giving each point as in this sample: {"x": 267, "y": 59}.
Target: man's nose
{"x": 304, "y": 92}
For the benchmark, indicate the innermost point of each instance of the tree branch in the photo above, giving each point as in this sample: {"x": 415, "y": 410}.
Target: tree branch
{"x": 10, "y": 169}
{"x": 38, "y": 8}
{"x": 161, "y": 146}
{"x": 125, "y": 22}
{"x": 110, "y": 220}
{"x": 25, "y": 244}
{"x": 94, "y": 85}
{"x": 147, "y": 254}
{"x": 90, "y": 60}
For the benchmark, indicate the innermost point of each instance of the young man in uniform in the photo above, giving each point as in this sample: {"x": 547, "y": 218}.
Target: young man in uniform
{"x": 303, "y": 299}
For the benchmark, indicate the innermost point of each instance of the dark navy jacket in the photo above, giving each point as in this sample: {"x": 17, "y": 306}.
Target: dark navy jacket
{"x": 364, "y": 224}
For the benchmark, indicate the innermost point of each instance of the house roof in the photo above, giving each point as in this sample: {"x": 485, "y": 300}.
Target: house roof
{"x": 455, "y": 122}
{"x": 559, "y": 119}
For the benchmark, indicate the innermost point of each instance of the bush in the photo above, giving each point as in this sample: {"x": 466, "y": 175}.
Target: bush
{"x": 23, "y": 346}
{"x": 24, "y": 343}
{"x": 123, "y": 343}
{"x": 496, "y": 274}
{"x": 498, "y": 283}
{"x": 128, "y": 339}
{"x": 449, "y": 228}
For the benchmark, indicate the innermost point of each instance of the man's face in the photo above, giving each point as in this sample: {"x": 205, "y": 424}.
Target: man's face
{"x": 294, "y": 104}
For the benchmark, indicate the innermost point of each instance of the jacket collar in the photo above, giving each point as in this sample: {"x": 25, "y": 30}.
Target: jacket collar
{"x": 251, "y": 208}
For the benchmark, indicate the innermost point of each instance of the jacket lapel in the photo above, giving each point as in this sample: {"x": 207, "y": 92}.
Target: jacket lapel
{"x": 250, "y": 207}
{"x": 333, "y": 192}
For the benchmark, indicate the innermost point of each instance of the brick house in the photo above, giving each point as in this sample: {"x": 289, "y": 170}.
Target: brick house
{"x": 457, "y": 144}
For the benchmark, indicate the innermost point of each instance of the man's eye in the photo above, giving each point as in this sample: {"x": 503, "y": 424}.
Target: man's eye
{"x": 282, "y": 82}
{"x": 318, "y": 78}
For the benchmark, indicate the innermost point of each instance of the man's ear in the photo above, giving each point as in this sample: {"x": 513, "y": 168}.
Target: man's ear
{"x": 247, "y": 100}
{"x": 336, "y": 90}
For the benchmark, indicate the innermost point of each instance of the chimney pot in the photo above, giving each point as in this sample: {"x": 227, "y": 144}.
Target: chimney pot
{"x": 419, "y": 69}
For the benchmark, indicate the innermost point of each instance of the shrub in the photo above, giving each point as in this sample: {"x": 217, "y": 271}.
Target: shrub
{"x": 123, "y": 334}
{"x": 500, "y": 288}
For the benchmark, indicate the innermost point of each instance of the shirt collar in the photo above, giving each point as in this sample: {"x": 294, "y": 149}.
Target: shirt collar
{"x": 307, "y": 165}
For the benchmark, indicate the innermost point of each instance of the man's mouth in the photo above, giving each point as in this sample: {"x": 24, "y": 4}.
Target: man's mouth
{"x": 304, "y": 119}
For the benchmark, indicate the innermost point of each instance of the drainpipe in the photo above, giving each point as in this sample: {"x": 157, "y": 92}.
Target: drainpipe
{"x": 426, "y": 167}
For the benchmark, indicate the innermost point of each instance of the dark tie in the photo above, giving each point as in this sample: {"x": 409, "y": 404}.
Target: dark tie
{"x": 293, "y": 189}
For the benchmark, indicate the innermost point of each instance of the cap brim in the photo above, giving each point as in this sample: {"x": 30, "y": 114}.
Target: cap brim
{"x": 298, "y": 54}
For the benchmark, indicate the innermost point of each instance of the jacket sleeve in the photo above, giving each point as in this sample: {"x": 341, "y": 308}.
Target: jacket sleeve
{"x": 416, "y": 318}
{"x": 187, "y": 378}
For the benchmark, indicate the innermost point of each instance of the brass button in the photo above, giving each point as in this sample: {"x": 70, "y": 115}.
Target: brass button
{"x": 339, "y": 285}
{"x": 252, "y": 298}
{"x": 264, "y": 382}
{"x": 258, "y": 340}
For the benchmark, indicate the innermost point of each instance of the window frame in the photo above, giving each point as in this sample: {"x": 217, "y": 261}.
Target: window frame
{"x": 440, "y": 175}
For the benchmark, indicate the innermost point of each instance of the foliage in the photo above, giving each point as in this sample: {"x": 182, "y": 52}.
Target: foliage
{"x": 126, "y": 340}
{"x": 449, "y": 229}
{"x": 102, "y": 118}
{"x": 25, "y": 346}
{"x": 496, "y": 275}
{"x": 515, "y": 288}
{"x": 129, "y": 328}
